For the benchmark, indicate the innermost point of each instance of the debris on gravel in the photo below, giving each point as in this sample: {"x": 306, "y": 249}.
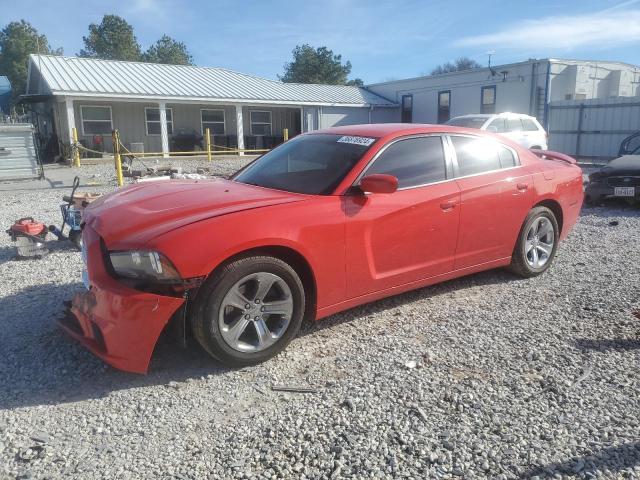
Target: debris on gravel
{"x": 487, "y": 376}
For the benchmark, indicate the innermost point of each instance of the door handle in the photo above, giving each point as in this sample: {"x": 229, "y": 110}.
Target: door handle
{"x": 449, "y": 205}
{"x": 523, "y": 187}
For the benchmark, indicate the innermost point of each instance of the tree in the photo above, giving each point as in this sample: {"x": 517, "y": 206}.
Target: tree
{"x": 17, "y": 41}
{"x": 317, "y": 65}
{"x": 462, "y": 63}
{"x": 113, "y": 39}
{"x": 356, "y": 82}
{"x": 168, "y": 50}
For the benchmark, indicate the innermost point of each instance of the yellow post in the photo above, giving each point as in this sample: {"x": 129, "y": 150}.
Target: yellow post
{"x": 207, "y": 134}
{"x": 116, "y": 157}
{"x": 285, "y": 134}
{"x": 75, "y": 151}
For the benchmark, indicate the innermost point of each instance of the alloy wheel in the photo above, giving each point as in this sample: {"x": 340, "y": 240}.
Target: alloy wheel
{"x": 539, "y": 242}
{"x": 255, "y": 312}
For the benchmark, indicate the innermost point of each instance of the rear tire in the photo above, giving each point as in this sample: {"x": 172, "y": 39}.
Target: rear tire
{"x": 249, "y": 311}
{"x": 537, "y": 243}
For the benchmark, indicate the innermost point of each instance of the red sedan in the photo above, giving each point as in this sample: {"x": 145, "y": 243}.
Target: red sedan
{"x": 327, "y": 221}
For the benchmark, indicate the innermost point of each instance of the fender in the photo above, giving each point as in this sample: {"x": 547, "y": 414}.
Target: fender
{"x": 316, "y": 233}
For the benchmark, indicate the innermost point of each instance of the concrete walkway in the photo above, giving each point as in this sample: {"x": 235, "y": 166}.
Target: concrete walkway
{"x": 55, "y": 176}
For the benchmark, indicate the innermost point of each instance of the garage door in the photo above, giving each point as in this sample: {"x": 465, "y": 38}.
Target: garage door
{"x": 18, "y": 158}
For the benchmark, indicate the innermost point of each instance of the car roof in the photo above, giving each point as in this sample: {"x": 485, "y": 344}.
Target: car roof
{"x": 390, "y": 129}
{"x": 476, "y": 115}
{"x": 492, "y": 115}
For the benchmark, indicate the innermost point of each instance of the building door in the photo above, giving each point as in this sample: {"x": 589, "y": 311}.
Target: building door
{"x": 444, "y": 106}
{"x": 407, "y": 109}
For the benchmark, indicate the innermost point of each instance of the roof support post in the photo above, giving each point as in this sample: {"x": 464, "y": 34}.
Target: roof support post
{"x": 71, "y": 118}
{"x": 240, "y": 128}
{"x": 162, "y": 106}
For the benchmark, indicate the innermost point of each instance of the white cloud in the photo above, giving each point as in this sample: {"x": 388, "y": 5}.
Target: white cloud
{"x": 608, "y": 28}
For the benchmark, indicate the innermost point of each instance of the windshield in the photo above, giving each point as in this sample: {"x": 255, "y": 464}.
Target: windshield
{"x": 467, "y": 122}
{"x": 312, "y": 164}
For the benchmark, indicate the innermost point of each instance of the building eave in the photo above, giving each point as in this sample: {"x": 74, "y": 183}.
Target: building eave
{"x": 200, "y": 100}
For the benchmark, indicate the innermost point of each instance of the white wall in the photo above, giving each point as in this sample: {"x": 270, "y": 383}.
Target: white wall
{"x": 513, "y": 91}
{"x": 338, "y": 116}
{"x": 593, "y": 80}
{"x": 522, "y": 90}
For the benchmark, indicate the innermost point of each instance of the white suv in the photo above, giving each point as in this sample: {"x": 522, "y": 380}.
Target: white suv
{"x": 520, "y": 128}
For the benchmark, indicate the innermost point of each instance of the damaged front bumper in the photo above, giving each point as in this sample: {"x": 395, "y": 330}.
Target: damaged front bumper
{"x": 117, "y": 323}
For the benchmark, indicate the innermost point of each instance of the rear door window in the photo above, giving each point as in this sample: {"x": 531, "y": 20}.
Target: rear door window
{"x": 413, "y": 161}
{"x": 475, "y": 155}
{"x": 507, "y": 158}
{"x": 514, "y": 125}
{"x": 529, "y": 125}
{"x": 498, "y": 126}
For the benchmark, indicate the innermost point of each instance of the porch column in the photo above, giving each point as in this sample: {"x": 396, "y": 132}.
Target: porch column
{"x": 163, "y": 129}
{"x": 71, "y": 118}
{"x": 240, "y": 128}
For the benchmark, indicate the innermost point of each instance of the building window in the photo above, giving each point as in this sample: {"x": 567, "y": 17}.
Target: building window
{"x": 444, "y": 106}
{"x": 407, "y": 109}
{"x": 95, "y": 119}
{"x": 152, "y": 120}
{"x": 488, "y": 99}
{"x": 213, "y": 120}
{"x": 260, "y": 123}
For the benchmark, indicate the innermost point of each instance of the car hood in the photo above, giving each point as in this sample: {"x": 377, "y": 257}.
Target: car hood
{"x": 142, "y": 211}
{"x": 625, "y": 165}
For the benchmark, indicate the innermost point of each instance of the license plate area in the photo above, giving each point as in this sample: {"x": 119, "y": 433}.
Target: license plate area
{"x": 624, "y": 191}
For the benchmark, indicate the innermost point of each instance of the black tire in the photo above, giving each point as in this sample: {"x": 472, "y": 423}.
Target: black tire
{"x": 206, "y": 309}
{"x": 519, "y": 263}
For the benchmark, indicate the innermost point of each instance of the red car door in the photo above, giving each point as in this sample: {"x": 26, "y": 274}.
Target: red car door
{"x": 496, "y": 195}
{"x": 394, "y": 239}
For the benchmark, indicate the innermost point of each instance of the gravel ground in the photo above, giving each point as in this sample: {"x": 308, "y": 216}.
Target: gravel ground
{"x": 486, "y": 376}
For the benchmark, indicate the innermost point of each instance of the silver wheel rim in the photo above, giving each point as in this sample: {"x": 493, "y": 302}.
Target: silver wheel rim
{"x": 539, "y": 243}
{"x": 256, "y": 312}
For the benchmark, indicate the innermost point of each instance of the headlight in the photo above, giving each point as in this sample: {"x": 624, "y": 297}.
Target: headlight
{"x": 144, "y": 265}
{"x": 595, "y": 177}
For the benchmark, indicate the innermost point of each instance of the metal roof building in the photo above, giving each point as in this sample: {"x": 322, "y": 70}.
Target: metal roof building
{"x": 523, "y": 87}
{"x": 148, "y": 102}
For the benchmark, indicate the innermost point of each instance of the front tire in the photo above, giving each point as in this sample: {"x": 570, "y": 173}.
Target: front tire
{"x": 537, "y": 243}
{"x": 249, "y": 311}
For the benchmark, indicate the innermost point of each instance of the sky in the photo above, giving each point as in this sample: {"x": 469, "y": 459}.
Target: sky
{"x": 382, "y": 39}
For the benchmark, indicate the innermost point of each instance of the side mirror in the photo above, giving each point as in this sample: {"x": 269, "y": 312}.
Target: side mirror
{"x": 379, "y": 183}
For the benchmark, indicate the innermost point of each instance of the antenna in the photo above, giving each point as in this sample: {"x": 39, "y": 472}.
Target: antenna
{"x": 490, "y": 53}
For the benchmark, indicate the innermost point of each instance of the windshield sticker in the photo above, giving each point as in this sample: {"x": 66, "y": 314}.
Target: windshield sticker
{"x": 357, "y": 140}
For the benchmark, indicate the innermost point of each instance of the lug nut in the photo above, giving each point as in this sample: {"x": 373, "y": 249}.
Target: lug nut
{"x": 247, "y": 305}
{"x": 262, "y": 309}
{"x": 247, "y": 316}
